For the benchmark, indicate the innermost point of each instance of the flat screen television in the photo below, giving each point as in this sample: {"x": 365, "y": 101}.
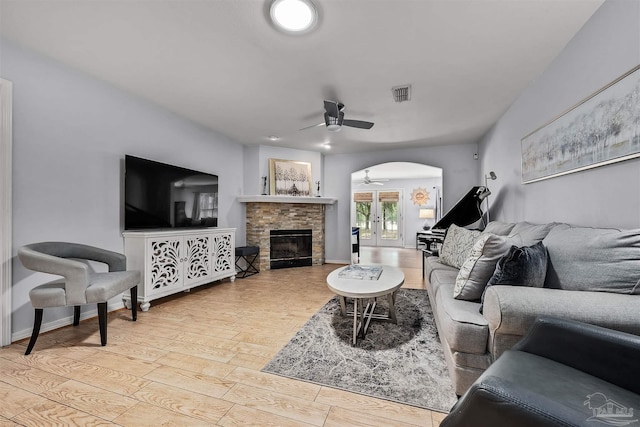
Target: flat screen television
{"x": 160, "y": 196}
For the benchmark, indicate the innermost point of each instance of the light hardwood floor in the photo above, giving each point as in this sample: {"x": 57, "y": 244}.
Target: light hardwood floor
{"x": 195, "y": 359}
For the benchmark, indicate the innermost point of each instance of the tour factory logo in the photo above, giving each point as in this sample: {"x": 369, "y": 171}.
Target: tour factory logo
{"x": 608, "y": 411}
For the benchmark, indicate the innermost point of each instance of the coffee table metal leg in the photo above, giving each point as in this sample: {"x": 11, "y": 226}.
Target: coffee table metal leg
{"x": 362, "y": 314}
{"x": 355, "y": 320}
{"x": 392, "y": 307}
{"x": 367, "y": 316}
{"x": 343, "y": 305}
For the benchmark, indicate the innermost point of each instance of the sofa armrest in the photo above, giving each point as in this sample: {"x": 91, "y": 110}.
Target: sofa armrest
{"x": 569, "y": 342}
{"x": 511, "y": 310}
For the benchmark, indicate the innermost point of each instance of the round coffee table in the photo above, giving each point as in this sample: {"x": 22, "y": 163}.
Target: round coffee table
{"x": 359, "y": 290}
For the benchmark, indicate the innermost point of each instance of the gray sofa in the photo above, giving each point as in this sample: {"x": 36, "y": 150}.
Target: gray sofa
{"x": 592, "y": 275}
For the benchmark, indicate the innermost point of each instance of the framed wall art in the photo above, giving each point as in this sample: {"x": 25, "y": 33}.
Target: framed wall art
{"x": 289, "y": 178}
{"x": 604, "y": 128}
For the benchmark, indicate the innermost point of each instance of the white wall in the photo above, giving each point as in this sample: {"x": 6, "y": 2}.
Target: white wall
{"x": 412, "y": 222}
{"x": 71, "y": 133}
{"x": 606, "y": 47}
{"x": 459, "y": 174}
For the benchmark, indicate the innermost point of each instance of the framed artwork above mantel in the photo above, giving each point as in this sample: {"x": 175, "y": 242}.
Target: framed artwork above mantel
{"x": 290, "y": 178}
{"x": 601, "y": 129}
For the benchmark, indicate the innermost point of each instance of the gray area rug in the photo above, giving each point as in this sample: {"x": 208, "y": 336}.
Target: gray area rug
{"x": 402, "y": 363}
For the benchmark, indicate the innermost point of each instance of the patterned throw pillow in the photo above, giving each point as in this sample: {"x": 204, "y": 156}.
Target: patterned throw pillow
{"x": 480, "y": 265}
{"x": 456, "y": 245}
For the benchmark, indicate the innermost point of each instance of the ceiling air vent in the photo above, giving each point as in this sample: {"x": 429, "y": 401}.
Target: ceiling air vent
{"x": 401, "y": 93}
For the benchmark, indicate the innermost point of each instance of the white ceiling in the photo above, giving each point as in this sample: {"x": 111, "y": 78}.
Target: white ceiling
{"x": 221, "y": 64}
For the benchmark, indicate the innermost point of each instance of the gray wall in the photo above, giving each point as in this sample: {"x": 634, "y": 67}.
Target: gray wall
{"x": 606, "y": 47}
{"x": 71, "y": 133}
{"x": 459, "y": 173}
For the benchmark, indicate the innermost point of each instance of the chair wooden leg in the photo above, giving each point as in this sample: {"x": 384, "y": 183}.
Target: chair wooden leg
{"x": 102, "y": 320}
{"x": 36, "y": 330}
{"x": 76, "y": 315}
{"x": 134, "y": 303}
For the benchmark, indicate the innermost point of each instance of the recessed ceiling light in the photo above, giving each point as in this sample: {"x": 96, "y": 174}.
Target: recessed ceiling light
{"x": 274, "y": 138}
{"x": 293, "y": 16}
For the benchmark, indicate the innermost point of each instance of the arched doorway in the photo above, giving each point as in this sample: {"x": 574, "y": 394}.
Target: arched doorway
{"x": 387, "y": 200}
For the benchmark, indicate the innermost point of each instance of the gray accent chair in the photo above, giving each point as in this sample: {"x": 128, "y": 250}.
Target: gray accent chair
{"x": 562, "y": 373}
{"x": 79, "y": 285}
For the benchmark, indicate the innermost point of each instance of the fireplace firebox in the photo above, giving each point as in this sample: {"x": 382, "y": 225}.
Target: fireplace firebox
{"x": 290, "y": 248}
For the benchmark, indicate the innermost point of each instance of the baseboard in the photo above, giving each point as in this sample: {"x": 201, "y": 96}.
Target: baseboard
{"x": 339, "y": 261}
{"x": 65, "y": 321}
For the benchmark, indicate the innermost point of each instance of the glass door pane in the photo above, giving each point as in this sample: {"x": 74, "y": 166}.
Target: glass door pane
{"x": 389, "y": 218}
{"x": 363, "y": 219}
{"x": 389, "y": 221}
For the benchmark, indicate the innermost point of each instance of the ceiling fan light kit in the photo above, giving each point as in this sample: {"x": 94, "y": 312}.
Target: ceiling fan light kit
{"x": 334, "y": 118}
{"x": 293, "y": 16}
{"x": 334, "y": 124}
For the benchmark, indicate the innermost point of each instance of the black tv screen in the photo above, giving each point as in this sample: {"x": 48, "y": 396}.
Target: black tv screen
{"x": 158, "y": 195}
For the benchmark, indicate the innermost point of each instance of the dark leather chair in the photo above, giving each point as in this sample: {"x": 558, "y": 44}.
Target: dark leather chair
{"x": 562, "y": 373}
{"x": 79, "y": 285}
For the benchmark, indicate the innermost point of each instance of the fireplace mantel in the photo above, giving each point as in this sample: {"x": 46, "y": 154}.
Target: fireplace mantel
{"x": 286, "y": 199}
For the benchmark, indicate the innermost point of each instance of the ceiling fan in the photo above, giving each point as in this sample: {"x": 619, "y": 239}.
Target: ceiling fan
{"x": 334, "y": 118}
{"x": 368, "y": 181}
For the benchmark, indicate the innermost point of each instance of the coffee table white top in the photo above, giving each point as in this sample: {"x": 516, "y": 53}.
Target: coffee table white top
{"x": 389, "y": 281}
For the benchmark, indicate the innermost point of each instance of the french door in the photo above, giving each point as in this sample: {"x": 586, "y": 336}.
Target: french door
{"x": 378, "y": 214}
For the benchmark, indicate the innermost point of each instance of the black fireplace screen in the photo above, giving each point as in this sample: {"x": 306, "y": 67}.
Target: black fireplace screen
{"x": 290, "y": 248}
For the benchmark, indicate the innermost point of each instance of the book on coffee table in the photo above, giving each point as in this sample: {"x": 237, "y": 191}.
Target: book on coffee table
{"x": 361, "y": 272}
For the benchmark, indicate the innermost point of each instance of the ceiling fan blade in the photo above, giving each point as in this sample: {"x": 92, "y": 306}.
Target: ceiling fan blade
{"x": 332, "y": 108}
{"x": 357, "y": 124}
{"x": 376, "y": 183}
{"x": 313, "y": 126}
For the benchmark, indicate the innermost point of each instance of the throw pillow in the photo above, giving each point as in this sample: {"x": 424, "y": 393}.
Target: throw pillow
{"x": 480, "y": 265}
{"x": 457, "y": 245}
{"x": 525, "y": 266}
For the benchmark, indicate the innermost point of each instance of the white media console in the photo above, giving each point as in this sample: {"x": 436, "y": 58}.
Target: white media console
{"x": 172, "y": 261}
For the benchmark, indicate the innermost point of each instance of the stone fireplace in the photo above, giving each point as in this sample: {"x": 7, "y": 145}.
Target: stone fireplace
{"x": 265, "y": 216}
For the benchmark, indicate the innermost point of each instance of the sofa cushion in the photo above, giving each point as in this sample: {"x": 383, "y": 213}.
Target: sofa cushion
{"x": 442, "y": 277}
{"x": 593, "y": 259}
{"x": 499, "y": 228}
{"x": 463, "y": 327}
{"x": 434, "y": 263}
{"x": 479, "y": 267}
{"x": 529, "y": 233}
{"x": 457, "y": 245}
